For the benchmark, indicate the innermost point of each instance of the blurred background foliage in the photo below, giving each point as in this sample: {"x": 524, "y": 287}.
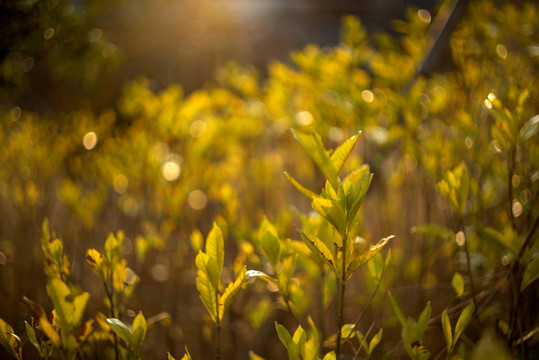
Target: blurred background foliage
{"x": 162, "y": 164}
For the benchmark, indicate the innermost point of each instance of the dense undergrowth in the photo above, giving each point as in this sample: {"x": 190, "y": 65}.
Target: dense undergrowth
{"x": 140, "y": 212}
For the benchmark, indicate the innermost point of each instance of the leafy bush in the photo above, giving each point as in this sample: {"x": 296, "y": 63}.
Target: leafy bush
{"x": 455, "y": 161}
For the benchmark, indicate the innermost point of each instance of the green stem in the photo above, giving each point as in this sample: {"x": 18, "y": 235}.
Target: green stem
{"x": 342, "y": 288}
{"x": 110, "y": 296}
{"x": 218, "y": 328}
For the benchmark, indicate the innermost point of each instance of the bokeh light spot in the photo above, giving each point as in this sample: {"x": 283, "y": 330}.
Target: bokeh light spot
{"x": 424, "y": 15}
{"x": 171, "y": 170}
{"x": 367, "y": 96}
{"x": 460, "y": 239}
{"x": 197, "y": 199}
{"x": 48, "y": 34}
{"x": 120, "y": 183}
{"x": 15, "y": 113}
{"x": 517, "y": 208}
{"x": 198, "y": 128}
{"x": 304, "y": 118}
{"x": 501, "y": 51}
{"x": 89, "y": 140}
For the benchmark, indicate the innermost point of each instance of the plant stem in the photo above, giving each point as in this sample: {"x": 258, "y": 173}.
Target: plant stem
{"x": 342, "y": 288}
{"x": 110, "y": 296}
{"x": 218, "y": 328}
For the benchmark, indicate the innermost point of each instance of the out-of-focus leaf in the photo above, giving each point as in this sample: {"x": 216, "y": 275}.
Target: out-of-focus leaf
{"x": 121, "y": 330}
{"x": 312, "y": 143}
{"x": 366, "y": 256}
{"x": 230, "y": 293}
{"x": 253, "y": 356}
{"x": 423, "y": 321}
{"x": 348, "y": 331}
{"x": 463, "y": 321}
{"x": 69, "y": 312}
{"x": 448, "y": 334}
{"x": 306, "y": 192}
{"x": 330, "y": 356}
{"x": 530, "y": 274}
{"x": 9, "y": 340}
{"x": 530, "y": 128}
{"x": 374, "y": 342}
{"x": 270, "y": 242}
{"x": 283, "y": 334}
{"x": 261, "y": 275}
{"x": 139, "y": 331}
{"x": 458, "y": 284}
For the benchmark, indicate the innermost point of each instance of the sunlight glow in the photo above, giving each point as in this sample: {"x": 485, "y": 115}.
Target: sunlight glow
{"x": 460, "y": 238}
{"x": 368, "y": 96}
{"x": 304, "y": 118}
{"x": 171, "y": 170}
{"x": 89, "y": 140}
{"x": 424, "y": 15}
{"x": 501, "y": 51}
{"x": 120, "y": 183}
{"x": 198, "y": 128}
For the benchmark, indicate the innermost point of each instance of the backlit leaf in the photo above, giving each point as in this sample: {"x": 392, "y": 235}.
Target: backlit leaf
{"x": 312, "y": 143}
{"x": 458, "y": 284}
{"x": 121, "y": 330}
{"x": 230, "y": 293}
{"x": 423, "y": 321}
{"x": 374, "y": 342}
{"x": 283, "y": 334}
{"x": 463, "y": 321}
{"x": 69, "y": 312}
{"x": 366, "y": 256}
{"x": 306, "y": 192}
{"x": 270, "y": 242}
{"x": 215, "y": 247}
{"x": 139, "y": 331}
{"x": 331, "y": 211}
{"x": 8, "y": 341}
{"x": 448, "y": 334}
{"x": 340, "y": 154}
{"x": 320, "y": 248}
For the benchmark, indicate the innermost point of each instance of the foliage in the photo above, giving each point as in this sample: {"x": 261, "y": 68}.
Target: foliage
{"x": 455, "y": 157}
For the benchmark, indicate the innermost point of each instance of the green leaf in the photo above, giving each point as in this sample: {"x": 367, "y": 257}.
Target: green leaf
{"x": 215, "y": 248}
{"x": 446, "y": 327}
{"x": 530, "y": 128}
{"x": 312, "y": 345}
{"x": 458, "y": 284}
{"x": 508, "y": 240}
{"x": 121, "y": 330}
{"x": 263, "y": 276}
{"x": 339, "y": 156}
{"x": 374, "y": 342}
{"x": 206, "y": 289}
{"x": 455, "y": 188}
{"x": 320, "y": 249}
{"x": 270, "y": 242}
{"x": 463, "y": 321}
{"x": 312, "y": 143}
{"x": 139, "y": 331}
{"x": 253, "y": 356}
{"x": 31, "y": 333}
{"x": 288, "y": 267}
{"x": 419, "y": 353}
{"x": 306, "y": 192}
{"x": 398, "y": 312}
{"x": 331, "y": 211}
{"x": 366, "y": 256}
{"x": 9, "y": 340}
{"x": 330, "y": 356}
{"x": 300, "y": 338}
{"x": 283, "y": 334}
{"x": 348, "y": 331}
{"x": 186, "y": 356}
{"x": 230, "y": 293}
{"x": 530, "y": 274}
{"x": 69, "y": 313}
{"x": 423, "y": 321}
{"x": 355, "y": 187}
